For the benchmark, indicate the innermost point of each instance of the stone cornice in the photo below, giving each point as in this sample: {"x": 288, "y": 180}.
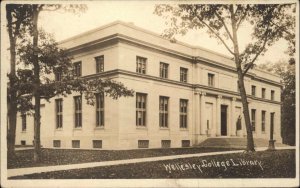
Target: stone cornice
{"x": 119, "y": 38}
{"x": 203, "y": 88}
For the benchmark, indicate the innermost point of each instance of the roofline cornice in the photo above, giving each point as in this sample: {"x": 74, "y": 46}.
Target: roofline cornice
{"x": 120, "y": 38}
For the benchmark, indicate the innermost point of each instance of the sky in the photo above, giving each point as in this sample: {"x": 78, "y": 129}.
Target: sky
{"x": 65, "y": 25}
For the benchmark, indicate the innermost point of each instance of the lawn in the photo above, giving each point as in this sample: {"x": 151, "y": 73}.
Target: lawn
{"x": 24, "y": 158}
{"x": 263, "y": 164}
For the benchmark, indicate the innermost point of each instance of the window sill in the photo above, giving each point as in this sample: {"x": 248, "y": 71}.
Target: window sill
{"x": 23, "y": 131}
{"x": 184, "y": 129}
{"x": 58, "y": 129}
{"x": 164, "y": 128}
{"x": 141, "y": 128}
{"x": 99, "y": 128}
{"x": 77, "y": 129}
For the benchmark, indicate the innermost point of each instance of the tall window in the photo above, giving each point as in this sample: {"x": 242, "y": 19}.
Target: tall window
{"x": 253, "y": 111}
{"x": 141, "y": 102}
{"x": 24, "y": 123}
{"x": 58, "y": 74}
{"x": 238, "y": 87}
{"x": 263, "y": 93}
{"x": 59, "y": 113}
{"x": 183, "y": 74}
{"x": 272, "y": 95}
{"x": 253, "y": 90}
{"x": 211, "y": 79}
{"x": 99, "y": 110}
{"x": 183, "y": 107}
{"x": 263, "y": 121}
{"x": 77, "y": 68}
{"x": 99, "y": 64}
{"x": 141, "y": 65}
{"x": 78, "y": 111}
{"x": 163, "y": 69}
{"x": 163, "y": 111}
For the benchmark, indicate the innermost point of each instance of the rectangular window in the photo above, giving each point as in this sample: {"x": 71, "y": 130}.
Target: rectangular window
{"x": 141, "y": 65}
{"x": 99, "y": 64}
{"x": 59, "y": 113}
{"x": 58, "y": 74}
{"x": 253, "y": 111}
{"x": 77, "y": 68}
{"x": 253, "y": 90}
{"x": 183, "y": 74}
{"x": 143, "y": 143}
{"x": 24, "y": 123}
{"x": 211, "y": 79}
{"x": 56, "y": 143}
{"x": 185, "y": 143}
{"x": 166, "y": 143}
{"x": 78, "y": 111}
{"x": 272, "y": 95}
{"x": 99, "y": 110}
{"x": 97, "y": 143}
{"x": 263, "y": 93}
{"x": 163, "y": 69}
{"x": 183, "y": 113}
{"x": 238, "y": 87}
{"x": 263, "y": 121}
{"x": 23, "y": 142}
{"x": 141, "y": 102}
{"x": 75, "y": 143}
{"x": 163, "y": 111}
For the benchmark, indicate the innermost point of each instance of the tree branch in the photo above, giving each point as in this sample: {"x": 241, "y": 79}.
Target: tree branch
{"x": 218, "y": 36}
{"x": 257, "y": 54}
{"x": 240, "y": 21}
{"x": 226, "y": 28}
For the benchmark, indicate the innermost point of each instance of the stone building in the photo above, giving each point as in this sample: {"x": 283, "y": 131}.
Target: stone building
{"x": 183, "y": 95}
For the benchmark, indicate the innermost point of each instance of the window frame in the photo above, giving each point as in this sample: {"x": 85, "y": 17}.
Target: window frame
{"x": 100, "y": 110}
{"x": 211, "y": 80}
{"x": 141, "y": 109}
{"x": 77, "y": 68}
{"x": 183, "y": 113}
{"x": 99, "y": 60}
{"x": 163, "y": 70}
{"x": 263, "y": 93}
{"x": 272, "y": 95}
{"x": 58, "y": 74}
{"x": 253, "y": 90}
{"x": 78, "y": 112}
{"x": 183, "y": 74}
{"x": 164, "y": 112}
{"x": 141, "y": 65}
{"x": 59, "y": 113}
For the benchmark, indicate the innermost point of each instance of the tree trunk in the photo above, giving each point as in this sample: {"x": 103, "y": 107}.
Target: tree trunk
{"x": 250, "y": 142}
{"x": 12, "y": 100}
{"x": 36, "y": 93}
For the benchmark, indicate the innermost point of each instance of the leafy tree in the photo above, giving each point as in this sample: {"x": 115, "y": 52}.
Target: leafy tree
{"x": 41, "y": 57}
{"x": 288, "y": 98}
{"x": 223, "y": 21}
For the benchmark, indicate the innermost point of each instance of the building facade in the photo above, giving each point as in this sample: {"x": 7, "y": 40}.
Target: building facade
{"x": 183, "y": 95}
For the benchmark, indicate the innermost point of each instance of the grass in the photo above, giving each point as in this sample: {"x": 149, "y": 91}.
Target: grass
{"x": 24, "y": 158}
{"x": 274, "y": 164}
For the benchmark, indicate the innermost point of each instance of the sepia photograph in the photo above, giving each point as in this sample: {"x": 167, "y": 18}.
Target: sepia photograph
{"x": 149, "y": 93}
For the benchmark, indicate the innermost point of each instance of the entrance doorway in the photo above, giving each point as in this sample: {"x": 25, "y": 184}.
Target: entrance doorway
{"x": 223, "y": 120}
